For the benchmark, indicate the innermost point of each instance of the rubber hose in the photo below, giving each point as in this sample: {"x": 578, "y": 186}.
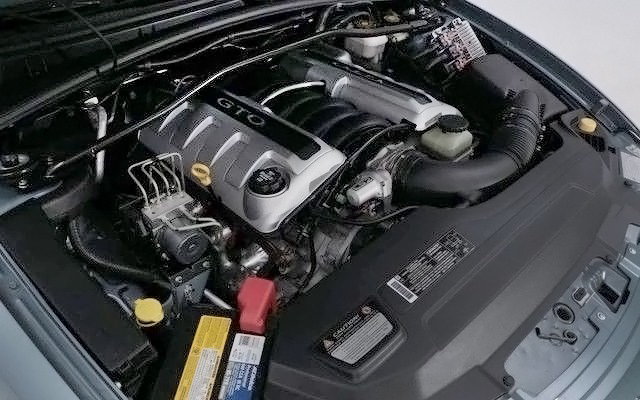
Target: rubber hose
{"x": 107, "y": 266}
{"x": 421, "y": 180}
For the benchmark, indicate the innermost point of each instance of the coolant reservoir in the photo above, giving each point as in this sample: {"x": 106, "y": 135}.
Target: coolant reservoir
{"x": 449, "y": 138}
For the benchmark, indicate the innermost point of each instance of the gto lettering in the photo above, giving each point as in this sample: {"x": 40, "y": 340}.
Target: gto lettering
{"x": 225, "y": 103}
{"x": 240, "y": 112}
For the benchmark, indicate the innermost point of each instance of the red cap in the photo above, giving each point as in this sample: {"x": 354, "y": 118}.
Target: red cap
{"x": 256, "y": 299}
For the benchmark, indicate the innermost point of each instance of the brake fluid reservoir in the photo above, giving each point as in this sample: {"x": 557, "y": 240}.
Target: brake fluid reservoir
{"x": 449, "y": 138}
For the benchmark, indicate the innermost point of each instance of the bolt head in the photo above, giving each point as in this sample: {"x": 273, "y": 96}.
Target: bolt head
{"x": 508, "y": 380}
{"x": 178, "y": 279}
{"x": 601, "y": 316}
{"x": 632, "y": 251}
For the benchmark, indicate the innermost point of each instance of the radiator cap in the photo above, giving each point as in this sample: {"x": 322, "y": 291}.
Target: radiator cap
{"x": 148, "y": 311}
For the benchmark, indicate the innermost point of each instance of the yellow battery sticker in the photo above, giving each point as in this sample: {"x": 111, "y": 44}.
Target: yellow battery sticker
{"x": 201, "y": 368}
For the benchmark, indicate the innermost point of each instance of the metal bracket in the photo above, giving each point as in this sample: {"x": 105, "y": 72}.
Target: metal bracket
{"x": 189, "y": 284}
{"x": 630, "y": 261}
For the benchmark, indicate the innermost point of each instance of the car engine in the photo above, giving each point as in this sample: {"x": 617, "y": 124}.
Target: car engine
{"x": 266, "y": 155}
{"x": 285, "y": 168}
{"x": 272, "y": 153}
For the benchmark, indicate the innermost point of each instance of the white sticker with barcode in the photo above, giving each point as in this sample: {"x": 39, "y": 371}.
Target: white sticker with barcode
{"x": 247, "y": 349}
{"x": 402, "y": 290}
{"x": 428, "y": 267}
{"x": 243, "y": 368}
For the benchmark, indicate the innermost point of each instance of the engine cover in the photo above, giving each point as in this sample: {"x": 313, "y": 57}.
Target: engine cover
{"x": 262, "y": 167}
{"x": 369, "y": 91}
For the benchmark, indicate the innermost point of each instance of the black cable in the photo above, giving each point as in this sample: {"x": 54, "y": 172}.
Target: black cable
{"x": 344, "y": 21}
{"x": 423, "y": 53}
{"x": 276, "y": 35}
{"x": 388, "y": 130}
{"x": 326, "y": 13}
{"x": 364, "y": 222}
{"x": 324, "y": 17}
{"x": 250, "y": 33}
{"x": 105, "y": 265}
{"x": 104, "y": 143}
{"x": 354, "y": 157}
{"x": 313, "y": 260}
{"x": 15, "y": 15}
{"x": 437, "y": 60}
{"x": 92, "y": 27}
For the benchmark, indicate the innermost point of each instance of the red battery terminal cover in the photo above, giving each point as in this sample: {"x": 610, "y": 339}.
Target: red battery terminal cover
{"x": 256, "y": 299}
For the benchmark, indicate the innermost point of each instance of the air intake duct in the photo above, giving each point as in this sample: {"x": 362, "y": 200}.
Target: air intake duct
{"x": 421, "y": 180}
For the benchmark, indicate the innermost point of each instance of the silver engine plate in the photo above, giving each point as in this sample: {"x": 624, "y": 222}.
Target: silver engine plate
{"x": 236, "y": 138}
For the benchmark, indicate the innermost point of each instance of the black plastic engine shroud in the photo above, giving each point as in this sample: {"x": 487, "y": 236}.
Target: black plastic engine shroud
{"x": 452, "y": 341}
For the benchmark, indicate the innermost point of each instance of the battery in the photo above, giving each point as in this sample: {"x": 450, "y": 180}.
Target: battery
{"x": 195, "y": 361}
{"x": 246, "y": 368}
{"x": 246, "y": 371}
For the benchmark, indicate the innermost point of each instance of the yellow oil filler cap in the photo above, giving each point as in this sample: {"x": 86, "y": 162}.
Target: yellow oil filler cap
{"x": 148, "y": 311}
{"x": 587, "y": 126}
{"x": 202, "y": 173}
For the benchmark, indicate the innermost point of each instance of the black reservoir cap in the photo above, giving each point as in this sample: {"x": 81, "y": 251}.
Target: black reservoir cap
{"x": 453, "y": 123}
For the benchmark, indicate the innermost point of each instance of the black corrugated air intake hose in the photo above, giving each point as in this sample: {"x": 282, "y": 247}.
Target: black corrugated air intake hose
{"x": 421, "y": 180}
{"x": 335, "y": 121}
{"x": 77, "y": 234}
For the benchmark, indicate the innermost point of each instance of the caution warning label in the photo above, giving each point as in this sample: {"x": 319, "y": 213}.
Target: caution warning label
{"x": 357, "y": 335}
{"x": 201, "y": 368}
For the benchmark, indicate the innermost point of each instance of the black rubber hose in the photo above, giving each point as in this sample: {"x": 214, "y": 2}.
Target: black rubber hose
{"x": 419, "y": 179}
{"x": 313, "y": 263}
{"x": 107, "y": 266}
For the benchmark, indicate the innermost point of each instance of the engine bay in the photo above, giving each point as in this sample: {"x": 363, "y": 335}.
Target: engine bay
{"x": 315, "y": 163}
{"x": 280, "y": 189}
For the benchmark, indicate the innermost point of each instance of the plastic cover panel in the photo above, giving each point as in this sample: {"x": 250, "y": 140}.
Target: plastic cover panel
{"x": 452, "y": 341}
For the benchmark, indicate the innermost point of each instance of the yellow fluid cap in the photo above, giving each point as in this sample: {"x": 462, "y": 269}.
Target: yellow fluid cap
{"x": 148, "y": 311}
{"x": 587, "y": 125}
{"x": 202, "y": 173}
